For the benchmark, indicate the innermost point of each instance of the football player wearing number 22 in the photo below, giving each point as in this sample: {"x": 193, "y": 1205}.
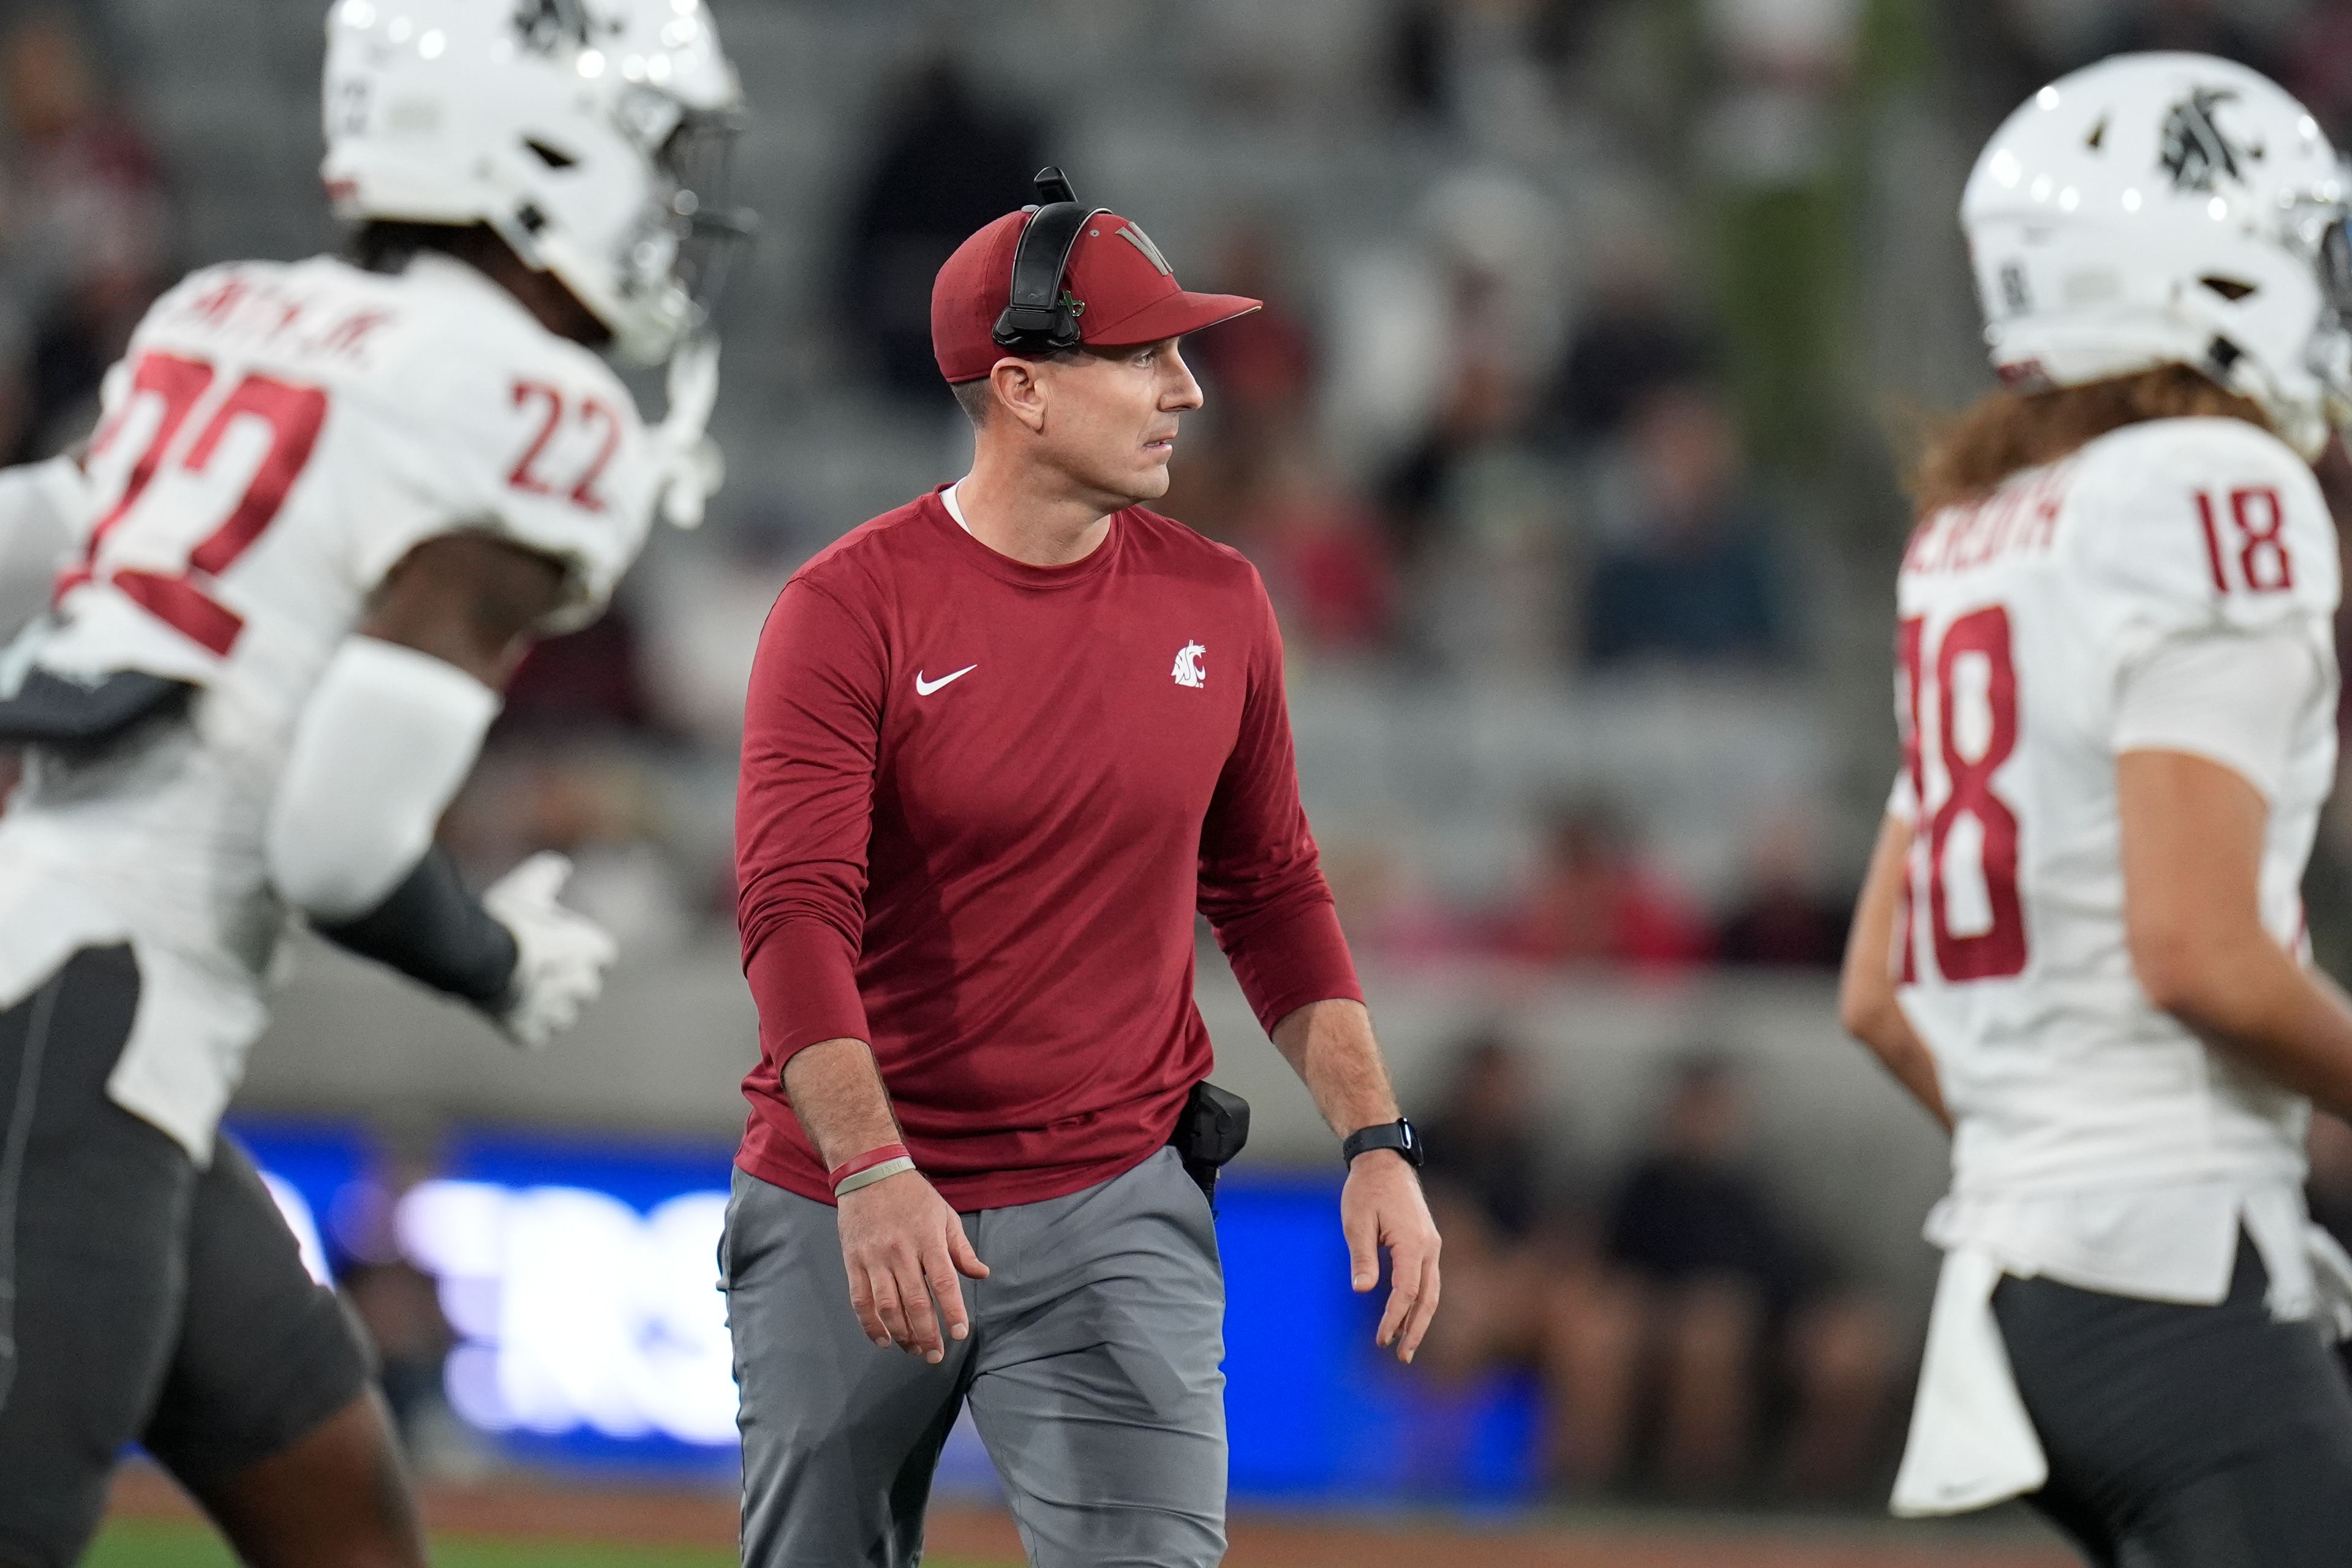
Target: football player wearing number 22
{"x": 2081, "y": 942}
{"x": 327, "y": 508}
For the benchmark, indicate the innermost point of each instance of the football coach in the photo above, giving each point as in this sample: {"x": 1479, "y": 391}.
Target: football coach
{"x": 1001, "y": 745}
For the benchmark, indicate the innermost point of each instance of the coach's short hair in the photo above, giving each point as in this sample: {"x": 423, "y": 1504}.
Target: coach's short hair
{"x": 975, "y": 398}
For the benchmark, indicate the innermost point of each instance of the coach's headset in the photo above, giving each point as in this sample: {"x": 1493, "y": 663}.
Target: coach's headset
{"x": 1041, "y": 320}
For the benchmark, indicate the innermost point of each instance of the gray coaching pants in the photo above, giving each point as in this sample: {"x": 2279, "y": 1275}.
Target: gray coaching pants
{"x": 1092, "y": 1371}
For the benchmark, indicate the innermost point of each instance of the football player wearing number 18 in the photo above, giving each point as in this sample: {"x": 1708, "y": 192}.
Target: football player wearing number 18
{"x": 328, "y": 506}
{"x": 2080, "y": 942}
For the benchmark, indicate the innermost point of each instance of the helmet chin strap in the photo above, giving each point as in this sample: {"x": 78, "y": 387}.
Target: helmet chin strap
{"x": 691, "y": 467}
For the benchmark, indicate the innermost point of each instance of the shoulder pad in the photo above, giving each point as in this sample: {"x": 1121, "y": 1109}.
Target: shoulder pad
{"x": 516, "y": 432}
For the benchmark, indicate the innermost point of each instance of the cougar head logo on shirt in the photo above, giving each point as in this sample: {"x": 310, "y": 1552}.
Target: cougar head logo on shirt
{"x": 1188, "y": 670}
{"x": 2194, "y": 149}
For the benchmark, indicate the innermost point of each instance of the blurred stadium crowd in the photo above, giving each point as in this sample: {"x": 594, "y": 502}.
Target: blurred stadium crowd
{"x": 1568, "y": 444}
{"x": 1564, "y": 441}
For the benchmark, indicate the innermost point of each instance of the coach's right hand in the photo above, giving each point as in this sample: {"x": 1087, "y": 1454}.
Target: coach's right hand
{"x": 904, "y": 1248}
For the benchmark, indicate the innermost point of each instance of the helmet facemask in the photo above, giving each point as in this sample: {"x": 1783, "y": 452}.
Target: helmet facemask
{"x": 2314, "y": 233}
{"x": 670, "y": 264}
{"x": 2329, "y": 356}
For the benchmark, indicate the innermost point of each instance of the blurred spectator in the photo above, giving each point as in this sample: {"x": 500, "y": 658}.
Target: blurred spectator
{"x": 87, "y": 229}
{"x": 1326, "y": 562}
{"x": 1634, "y": 338}
{"x": 1784, "y": 111}
{"x": 1477, "y": 511}
{"x": 1686, "y": 569}
{"x": 1384, "y": 900}
{"x": 1503, "y": 242}
{"x": 1482, "y": 411}
{"x": 2319, "y": 69}
{"x": 1744, "y": 1319}
{"x": 2329, "y": 1188}
{"x": 400, "y": 1308}
{"x": 605, "y": 808}
{"x": 2192, "y": 26}
{"x": 1259, "y": 370}
{"x": 401, "y": 1311}
{"x": 605, "y": 814}
{"x": 1597, "y": 899}
{"x": 1415, "y": 63}
{"x": 585, "y": 679}
{"x": 703, "y": 597}
{"x": 1783, "y": 919}
{"x": 1481, "y": 299}
{"x": 1523, "y": 1280}
{"x": 947, "y": 163}
{"x": 1305, "y": 62}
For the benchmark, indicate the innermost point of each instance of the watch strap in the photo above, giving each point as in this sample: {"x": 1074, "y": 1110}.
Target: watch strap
{"x": 1400, "y": 1135}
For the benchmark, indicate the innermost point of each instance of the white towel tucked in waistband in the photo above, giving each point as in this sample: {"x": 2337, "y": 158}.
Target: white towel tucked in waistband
{"x": 1971, "y": 1443}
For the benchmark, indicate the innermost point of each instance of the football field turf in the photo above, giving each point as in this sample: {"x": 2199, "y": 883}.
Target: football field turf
{"x": 177, "y": 1543}
{"x": 518, "y": 1522}
{"x": 160, "y": 1543}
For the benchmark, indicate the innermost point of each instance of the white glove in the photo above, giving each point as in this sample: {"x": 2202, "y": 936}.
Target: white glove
{"x": 2331, "y": 1275}
{"x": 559, "y": 956}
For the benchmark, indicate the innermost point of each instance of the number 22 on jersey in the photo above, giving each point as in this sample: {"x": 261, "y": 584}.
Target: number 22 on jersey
{"x": 292, "y": 415}
{"x": 1959, "y": 705}
{"x": 178, "y": 389}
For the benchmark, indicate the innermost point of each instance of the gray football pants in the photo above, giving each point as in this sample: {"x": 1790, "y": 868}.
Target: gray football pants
{"x": 1092, "y": 1371}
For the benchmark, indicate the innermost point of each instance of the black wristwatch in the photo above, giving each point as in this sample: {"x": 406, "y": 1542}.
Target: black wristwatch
{"x": 1401, "y": 1135}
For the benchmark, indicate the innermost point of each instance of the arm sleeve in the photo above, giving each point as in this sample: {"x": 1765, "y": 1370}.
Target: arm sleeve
{"x": 1261, "y": 882}
{"x": 803, "y": 813}
{"x": 380, "y": 750}
{"x": 2239, "y": 700}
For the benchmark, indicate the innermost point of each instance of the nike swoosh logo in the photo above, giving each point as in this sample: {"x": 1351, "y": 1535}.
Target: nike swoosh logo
{"x": 925, "y": 687}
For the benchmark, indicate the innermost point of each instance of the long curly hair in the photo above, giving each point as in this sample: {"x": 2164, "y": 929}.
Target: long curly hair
{"x": 2008, "y": 431}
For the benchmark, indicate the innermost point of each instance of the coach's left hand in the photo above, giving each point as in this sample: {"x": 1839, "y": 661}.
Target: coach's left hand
{"x": 1381, "y": 1206}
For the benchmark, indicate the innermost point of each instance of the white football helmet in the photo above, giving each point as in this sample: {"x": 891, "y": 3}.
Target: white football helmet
{"x": 2164, "y": 208}
{"x": 590, "y": 134}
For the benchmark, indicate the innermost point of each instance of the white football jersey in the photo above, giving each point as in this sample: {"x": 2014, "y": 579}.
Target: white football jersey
{"x": 2020, "y": 616}
{"x": 276, "y": 440}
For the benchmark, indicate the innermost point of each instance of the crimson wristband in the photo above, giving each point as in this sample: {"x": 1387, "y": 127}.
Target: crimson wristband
{"x": 872, "y": 1166}
{"x": 865, "y": 1162}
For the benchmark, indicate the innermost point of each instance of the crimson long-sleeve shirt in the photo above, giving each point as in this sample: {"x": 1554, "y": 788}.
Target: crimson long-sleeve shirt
{"x": 980, "y": 803}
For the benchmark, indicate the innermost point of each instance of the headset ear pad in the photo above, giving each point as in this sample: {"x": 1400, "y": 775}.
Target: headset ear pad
{"x": 1037, "y": 322}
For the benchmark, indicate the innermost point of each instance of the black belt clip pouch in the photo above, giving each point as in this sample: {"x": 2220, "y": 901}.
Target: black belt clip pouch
{"x": 1211, "y": 1130}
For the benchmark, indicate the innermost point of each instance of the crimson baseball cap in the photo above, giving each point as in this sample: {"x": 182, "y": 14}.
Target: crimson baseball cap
{"x": 1125, "y": 292}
